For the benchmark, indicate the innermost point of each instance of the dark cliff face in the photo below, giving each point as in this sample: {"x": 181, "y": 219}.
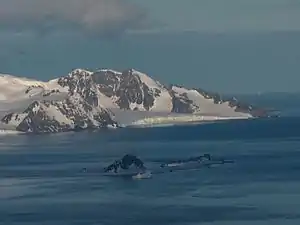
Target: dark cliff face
{"x": 127, "y": 88}
{"x": 181, "y": 103}
{"x": 60, "y": 116}
{"x": 80, "y": 82}
{"x": 40, "y": 121}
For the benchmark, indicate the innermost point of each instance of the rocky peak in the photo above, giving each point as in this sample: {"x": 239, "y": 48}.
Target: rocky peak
{"x": 126, "y": 89}
{"x": 80, "y": 82}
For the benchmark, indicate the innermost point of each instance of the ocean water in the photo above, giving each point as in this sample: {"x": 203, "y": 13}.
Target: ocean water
{"x": 41, "y": 178}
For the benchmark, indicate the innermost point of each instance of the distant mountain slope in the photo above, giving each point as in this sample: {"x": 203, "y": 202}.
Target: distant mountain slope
{"x": 130, "y": 89}
{"x": 85, "y": 99}
{"x": 58, "y": 116}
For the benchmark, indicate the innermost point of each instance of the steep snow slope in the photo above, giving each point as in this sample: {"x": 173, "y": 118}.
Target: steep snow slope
{"x": 14, "y": 88}
{"x": 163, "y": 101}
{"x": 201, "y": 104}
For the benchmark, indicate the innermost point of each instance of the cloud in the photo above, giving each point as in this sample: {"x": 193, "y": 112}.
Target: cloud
{"x": 226, "y": 15}
{"x": 92, "y": 16}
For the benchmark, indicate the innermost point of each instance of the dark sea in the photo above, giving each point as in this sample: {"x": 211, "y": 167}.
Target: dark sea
{"x": 42, "y": 183}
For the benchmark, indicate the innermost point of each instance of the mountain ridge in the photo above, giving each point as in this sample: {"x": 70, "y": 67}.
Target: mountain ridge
{"x": 85, "y": 98}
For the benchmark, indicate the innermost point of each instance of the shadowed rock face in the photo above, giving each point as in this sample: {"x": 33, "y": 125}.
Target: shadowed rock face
{"x": 181, "y": 104}
{"x": 60, "y": 116}
{"x": 39, "y": 121}
{"x": 80, "y": 82}
{"x": 126, "y": 87}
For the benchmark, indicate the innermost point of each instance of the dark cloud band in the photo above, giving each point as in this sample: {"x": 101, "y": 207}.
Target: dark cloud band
{"x": 96, "y": 16}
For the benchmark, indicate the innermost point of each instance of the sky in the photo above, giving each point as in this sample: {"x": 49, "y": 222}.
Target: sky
{"x": 225, "y": 16}
{"x": 227, "y": 46}
{"x": 158, "y": 15}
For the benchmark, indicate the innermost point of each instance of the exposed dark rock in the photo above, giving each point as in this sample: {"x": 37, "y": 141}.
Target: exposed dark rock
{"x": 60, "y": 116}
{"x": 235, "y": 103}
{"x": 126, "y": 87}
{"x": 181, "y": 104}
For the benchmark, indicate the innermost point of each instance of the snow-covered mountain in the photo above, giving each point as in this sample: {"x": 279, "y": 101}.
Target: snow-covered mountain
{"x": 16, "y": 88}
{"x": 86, "y": 99}
{"x": 130, "y": 90}
{"x": 59, "y": 116}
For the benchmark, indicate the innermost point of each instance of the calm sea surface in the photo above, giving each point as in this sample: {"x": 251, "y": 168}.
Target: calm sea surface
{"x": 41, "y": 182}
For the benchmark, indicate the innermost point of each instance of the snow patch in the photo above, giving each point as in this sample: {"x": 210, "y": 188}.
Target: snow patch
{"x": 15, "y": 88}
{"x": 81, "y": 72}
{"x": 110, "y": 71}
{"x": 9, "y": 132}
{"x": 54, "y": 113}
{"x": 105, "y": 101}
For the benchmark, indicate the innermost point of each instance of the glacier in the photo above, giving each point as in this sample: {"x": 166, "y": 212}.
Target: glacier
{"x": 173, "y": 120}
{"x": 106, "y": 98}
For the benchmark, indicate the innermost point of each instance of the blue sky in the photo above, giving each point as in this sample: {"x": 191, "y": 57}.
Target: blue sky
{"x": 236, "y": 46}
